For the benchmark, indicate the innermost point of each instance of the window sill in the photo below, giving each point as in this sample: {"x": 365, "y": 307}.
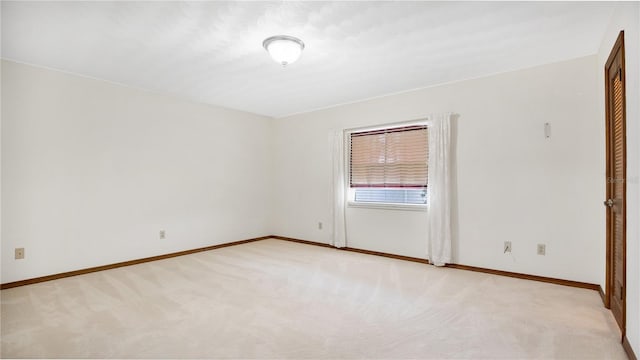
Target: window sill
{"x": 387, "y": 206}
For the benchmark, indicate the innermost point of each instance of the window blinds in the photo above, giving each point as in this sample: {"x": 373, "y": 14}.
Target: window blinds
{"x": 389, "y": 158}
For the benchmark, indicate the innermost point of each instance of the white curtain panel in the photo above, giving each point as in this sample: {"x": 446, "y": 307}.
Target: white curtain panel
{"x": 439, "y": 187}
{"x": 339, "y": 230}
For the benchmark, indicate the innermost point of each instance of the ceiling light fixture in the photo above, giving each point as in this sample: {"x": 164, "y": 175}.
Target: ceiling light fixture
{"x": 283, "y": 49}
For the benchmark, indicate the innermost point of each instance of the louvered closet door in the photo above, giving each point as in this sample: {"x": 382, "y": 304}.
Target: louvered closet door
{"x": 616, "y": 189}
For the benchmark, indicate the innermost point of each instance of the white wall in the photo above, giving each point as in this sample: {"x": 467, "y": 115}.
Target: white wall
{"x": 91, "y": 171}
{"x": 512, "y": 183}
{"x": 627, "y": 17}
{"x": 1, "y": 251}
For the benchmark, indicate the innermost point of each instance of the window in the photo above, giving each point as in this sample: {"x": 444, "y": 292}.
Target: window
{"x": 389, "y": 166}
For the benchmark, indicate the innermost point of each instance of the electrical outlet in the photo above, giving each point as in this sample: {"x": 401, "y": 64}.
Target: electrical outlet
{"x": 542, "y": 249}
{"x": 507, "y": 247}
{"x": 163, "y": 234}
{"x": 19, "y": 253}
{"x": 320, "y": 225}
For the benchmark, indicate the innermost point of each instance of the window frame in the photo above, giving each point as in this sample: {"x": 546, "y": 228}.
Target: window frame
{"x": 350, "y": 192}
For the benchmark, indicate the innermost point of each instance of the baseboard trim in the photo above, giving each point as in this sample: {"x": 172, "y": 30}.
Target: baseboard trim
{"x": 307, "y": 242}
{"x": 393, "y": 256}
{"x": 571, "y": 283}
{"x": 550, "y": 280}
{"x": 602, "y": 296}
{"x": 124, "y": 263}
{"x": 362, "y": 251}
{"x": 628, "y": 349}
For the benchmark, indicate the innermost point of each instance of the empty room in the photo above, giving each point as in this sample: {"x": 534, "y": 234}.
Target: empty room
{"x": 320, "y": 180}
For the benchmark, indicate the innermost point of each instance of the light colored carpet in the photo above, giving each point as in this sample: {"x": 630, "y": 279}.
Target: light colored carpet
{"x": 277, "y": 299}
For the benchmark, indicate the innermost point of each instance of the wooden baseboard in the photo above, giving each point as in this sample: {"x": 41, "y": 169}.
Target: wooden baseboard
{"x": 393, "y": 256}
{"x": 362, "y": 251}
{"x": 550, "y": 280}
{"x": 124, "y": 263}
{"x": 307, "y": 242}
{"x": 628, "y": 349}
{"x": 602, "y": 296}
{"x": 571, "y": 283}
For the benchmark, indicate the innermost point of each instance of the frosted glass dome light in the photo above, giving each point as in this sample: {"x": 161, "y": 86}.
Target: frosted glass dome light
{"x": 283, "y": 49}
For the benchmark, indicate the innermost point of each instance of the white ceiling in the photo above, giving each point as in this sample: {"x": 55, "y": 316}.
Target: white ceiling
{"x": 212, "y": 51}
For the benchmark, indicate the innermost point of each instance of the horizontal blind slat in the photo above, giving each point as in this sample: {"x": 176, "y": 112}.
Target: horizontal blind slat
{"x": 395, "y": 157}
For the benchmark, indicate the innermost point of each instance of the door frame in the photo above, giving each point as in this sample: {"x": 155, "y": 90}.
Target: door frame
{"x": 617, "y": 47}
